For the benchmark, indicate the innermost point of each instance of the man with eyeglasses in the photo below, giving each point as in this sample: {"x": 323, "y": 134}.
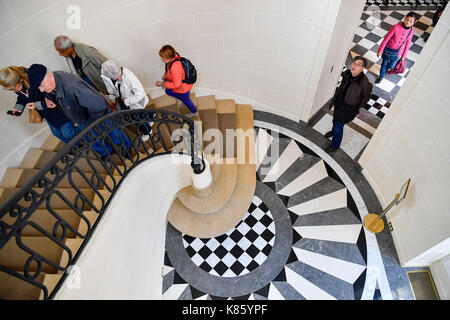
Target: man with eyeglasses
{"x": 353, "y": 93}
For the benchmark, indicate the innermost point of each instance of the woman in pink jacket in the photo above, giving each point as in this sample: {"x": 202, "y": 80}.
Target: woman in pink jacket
{"x": 173, "y": 78}
{"x": 396, "y": 44}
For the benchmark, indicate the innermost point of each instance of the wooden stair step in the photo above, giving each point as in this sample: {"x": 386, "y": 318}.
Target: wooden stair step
{"x": 217, "y": 223}
{"x": 14, "y": 258}
{"x": 73, "y": 244}
{"x": 224, "y": 106}
{"x": 221, "y": 193}
{"x": 11, "y": 178}
{"x": 162, "y": 101}
{"x": 245, "y": 136}
{"x": 83, "y": 226}
{"x": 50, "y": 282}
{"x": 56, "y": 202}
{"x": 52, "y": 143}
{"x": 46, "y": 221}
{"x": 208, "y": 115}
{"x": 206, "y": 102}
{"x": 38, "y": 158}
{"x": 226, "y": 117}
{"x": 12, "y": 288}
{"x": 78, "y": 180}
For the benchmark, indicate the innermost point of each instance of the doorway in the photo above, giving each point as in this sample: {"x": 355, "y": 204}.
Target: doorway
{"x": 376, "y": 19}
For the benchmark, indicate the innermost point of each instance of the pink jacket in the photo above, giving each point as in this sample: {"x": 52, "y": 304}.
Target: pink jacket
{"x": 175, "y": 76}
{"x": 394, "y": 39}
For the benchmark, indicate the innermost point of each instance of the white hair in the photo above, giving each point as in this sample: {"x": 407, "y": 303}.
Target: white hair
{"x": 63, "y": 42}
{"x": 110, "y": 69}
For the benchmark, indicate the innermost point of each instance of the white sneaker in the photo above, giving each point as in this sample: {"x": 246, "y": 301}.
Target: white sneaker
{"x": 145, "y": 137}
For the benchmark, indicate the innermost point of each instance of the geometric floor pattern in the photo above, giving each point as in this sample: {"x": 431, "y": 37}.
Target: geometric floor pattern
{"x": 367, "y": 39}
{"x": 241, "y": 250}
{"x": 302, "y": 237}
{"x": 408, "y": 3}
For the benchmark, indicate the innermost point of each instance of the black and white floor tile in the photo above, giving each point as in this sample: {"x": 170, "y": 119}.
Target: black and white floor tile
{"x": 302, "y": 237}
{"x": 374, "y": 25}
{"x": 431, "y": 4}
{"x": 241, "y": 250}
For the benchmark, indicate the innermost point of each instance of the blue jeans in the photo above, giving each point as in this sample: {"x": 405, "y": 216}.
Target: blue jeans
{"x": 115, "y": 136}
{"x": 66, "y": 132}
{"x": 388, "y": 63}
{"x": 184, "y": 97}
{"x": 338, "y": 133}
{"x": 86, "y": 78}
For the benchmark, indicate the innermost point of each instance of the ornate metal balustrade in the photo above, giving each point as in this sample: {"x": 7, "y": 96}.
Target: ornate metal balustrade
{"x": 72, "y": 179}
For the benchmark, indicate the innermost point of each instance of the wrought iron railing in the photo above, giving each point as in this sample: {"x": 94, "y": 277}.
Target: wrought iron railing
{"x": 86, "y": 175}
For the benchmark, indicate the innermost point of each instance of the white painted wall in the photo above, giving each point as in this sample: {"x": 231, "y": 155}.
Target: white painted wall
{"x": 267, "y": 52}
{"x": 441, "y": 276}
{"x": 124, "y": 258}
{"x": 413, "y": 142}
{"x": 348, "y": 18}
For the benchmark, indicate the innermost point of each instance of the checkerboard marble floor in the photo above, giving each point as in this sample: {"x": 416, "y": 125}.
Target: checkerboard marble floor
{"x": 374, "y": 25}
{"x": 301, "y": 238}
{"x": 241, "y": 250}
{"x": 405, "y": 3}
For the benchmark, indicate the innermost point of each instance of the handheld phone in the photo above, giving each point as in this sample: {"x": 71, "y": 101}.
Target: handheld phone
{"x": 11, "y": 113}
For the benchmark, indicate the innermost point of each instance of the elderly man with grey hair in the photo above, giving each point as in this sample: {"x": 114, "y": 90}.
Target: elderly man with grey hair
{"x": 86, "y": 60}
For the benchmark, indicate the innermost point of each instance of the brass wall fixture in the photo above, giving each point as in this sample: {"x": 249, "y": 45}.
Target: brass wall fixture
{"x": 374, "y": 222}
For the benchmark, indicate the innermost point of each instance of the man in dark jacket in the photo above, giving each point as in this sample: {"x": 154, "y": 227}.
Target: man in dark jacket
{"x": 78, "y": 100}
{"x": 353, "y": 93}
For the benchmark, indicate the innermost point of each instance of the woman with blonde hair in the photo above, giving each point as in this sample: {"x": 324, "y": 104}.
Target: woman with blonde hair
{"x": 15, "y": 79}
{"x": 173, "y": 79}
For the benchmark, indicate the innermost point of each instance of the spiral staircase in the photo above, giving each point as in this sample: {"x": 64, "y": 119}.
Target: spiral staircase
{"x": 197, "y": 212}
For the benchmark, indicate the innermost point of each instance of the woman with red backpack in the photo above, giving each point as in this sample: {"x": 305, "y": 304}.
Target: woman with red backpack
{"x": 174, "y": 79}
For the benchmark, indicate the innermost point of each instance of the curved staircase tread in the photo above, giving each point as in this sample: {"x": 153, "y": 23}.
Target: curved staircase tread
{"x": 206, "y": 102}
{"x": 52, "y": 143}
{"x": 222, "y": 191}
{"x": 161, "y": 102}
{"x": 225, "y": 106}
{"x": 192, "y": 219}
{"x": 212, "y": 225}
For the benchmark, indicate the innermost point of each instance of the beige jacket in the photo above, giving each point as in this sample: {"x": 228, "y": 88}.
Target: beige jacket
{"x": 92, "y": 64}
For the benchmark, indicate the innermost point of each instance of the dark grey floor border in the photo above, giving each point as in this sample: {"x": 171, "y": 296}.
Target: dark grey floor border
{"x": 246, "y": 284}
{"x": 396, "y": 275}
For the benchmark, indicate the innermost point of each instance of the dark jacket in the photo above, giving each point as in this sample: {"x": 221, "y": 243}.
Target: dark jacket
{"x": 54, "y": 117}
{"x": 78, "y": 100}
{"x": 347, "y": 104}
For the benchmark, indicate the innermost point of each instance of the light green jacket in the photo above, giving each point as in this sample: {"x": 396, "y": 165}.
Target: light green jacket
{"x": 92, "y": 64}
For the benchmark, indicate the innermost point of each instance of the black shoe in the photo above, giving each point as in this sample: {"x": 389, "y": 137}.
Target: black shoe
{"x": 378, "y": 80}
{"x": 329, "y": 134}
{"x": 331, "y": 149}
